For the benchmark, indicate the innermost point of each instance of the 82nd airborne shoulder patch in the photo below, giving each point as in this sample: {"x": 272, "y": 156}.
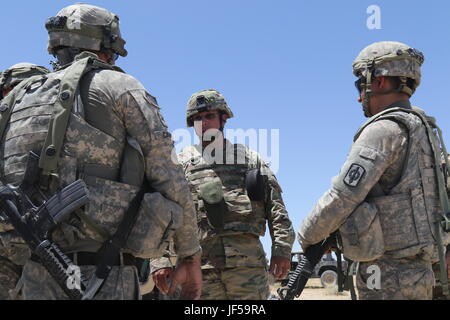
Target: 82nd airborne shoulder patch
{"x": 354, "y": 175}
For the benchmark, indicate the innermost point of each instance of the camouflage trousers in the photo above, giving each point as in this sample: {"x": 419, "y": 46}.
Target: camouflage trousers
{"x": 121, "y": 284}
{"x": 9, "y": 277}
{"x": 395, "y": 279}
{"x": 239, "y": 283}
{"x": 13, "y": 254}
{"x": 14, "y": 248}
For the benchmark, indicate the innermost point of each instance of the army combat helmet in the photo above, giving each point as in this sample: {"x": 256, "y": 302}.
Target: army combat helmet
{"x": 391, "y": 59}
{"x": 15, "y": 74}
{"x": 85, "y": 27}
{"x": 206, "y": 100}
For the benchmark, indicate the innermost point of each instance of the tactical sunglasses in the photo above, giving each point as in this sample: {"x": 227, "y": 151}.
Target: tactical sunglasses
{"x": 360, "y": 84}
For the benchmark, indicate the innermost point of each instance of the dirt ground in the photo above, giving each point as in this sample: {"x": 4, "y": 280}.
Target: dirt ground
{"x": 315, "y": 291}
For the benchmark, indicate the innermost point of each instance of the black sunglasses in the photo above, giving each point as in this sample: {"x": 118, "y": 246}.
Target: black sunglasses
{"x": 360, "y": 84}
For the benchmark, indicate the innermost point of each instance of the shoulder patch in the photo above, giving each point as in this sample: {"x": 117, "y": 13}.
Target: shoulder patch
{"x": 354, "y": 175}
{"x": 368, "y": 154}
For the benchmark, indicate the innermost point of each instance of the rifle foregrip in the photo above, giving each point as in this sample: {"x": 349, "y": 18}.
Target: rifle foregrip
{"x": 304, "y": 269}
{"x": 297, "y": 281}
{"x": 57, "y": 263}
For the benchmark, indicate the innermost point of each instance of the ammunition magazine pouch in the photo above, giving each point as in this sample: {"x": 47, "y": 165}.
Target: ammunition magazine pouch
{"x": 212, "y": 194}
{"x": 361, "y": 234}
{"x": 107, "y": 199}
{"x": 255, "y": 183}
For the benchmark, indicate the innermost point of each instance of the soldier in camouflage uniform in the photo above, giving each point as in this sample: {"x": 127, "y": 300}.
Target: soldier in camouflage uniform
{"x": 13, "y": 251}
{"x": 15, "y": 74}
{"x": 116, "y": 140}
{"x": 385, "y": 199}
{"x": 232, "y": 209}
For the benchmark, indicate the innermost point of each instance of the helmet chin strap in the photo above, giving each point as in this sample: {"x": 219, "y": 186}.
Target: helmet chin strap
{"x": 222, "y": 124}
{"x": 366, "y": 101}
{"x": 365, "y": 106}
{"x": 368, "y": 92}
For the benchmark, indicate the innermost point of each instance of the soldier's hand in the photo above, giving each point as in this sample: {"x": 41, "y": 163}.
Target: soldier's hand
{"x": 279, "y": 267}
{"x": 161, "y": 277}
{"x": 189, "y": 275}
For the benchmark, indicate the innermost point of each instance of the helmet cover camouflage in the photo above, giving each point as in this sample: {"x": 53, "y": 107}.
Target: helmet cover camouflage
{"x": 85, "y": 27}
{"x": 389, "y": 58}
{"x": 206, "y": 100}
{"x": 19, "y": 72}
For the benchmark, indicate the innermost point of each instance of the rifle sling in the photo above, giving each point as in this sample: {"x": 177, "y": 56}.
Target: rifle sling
{"x": 111, "y": 248}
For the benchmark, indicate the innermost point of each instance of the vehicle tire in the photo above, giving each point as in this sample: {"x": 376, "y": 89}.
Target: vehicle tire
{"x": 328, "y": 278}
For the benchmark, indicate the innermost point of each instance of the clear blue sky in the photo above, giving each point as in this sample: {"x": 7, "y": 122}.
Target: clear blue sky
{"x": 280, "y": 64}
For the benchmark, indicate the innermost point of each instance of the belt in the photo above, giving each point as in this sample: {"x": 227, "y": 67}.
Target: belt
{"x": 91, "y": 259}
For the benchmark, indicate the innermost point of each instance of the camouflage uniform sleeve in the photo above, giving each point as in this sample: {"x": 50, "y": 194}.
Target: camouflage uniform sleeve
{"x": 161, "y": 263}
{"x": 165, "y": 261}
{"x": 379, "y": 146}
{"x": 183, "y": 159}
{"x": 143, "y": 121}
{"x": 280, "y": 226}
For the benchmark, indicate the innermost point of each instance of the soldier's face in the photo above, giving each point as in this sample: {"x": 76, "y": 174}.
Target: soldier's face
{"x": 207, "y": 120}
{"x": 361, "y": 88}
{"x": 377, "y": 85}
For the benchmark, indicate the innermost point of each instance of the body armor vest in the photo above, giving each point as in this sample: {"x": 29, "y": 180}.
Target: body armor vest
{"x": 87, "y": 153}
{"x": 408, "y": 212}
{"x": 241, "y": 215}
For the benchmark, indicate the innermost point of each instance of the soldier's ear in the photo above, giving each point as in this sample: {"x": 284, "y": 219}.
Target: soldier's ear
{"x": 383, "y": 83}
{"x": 224, "y": 118}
